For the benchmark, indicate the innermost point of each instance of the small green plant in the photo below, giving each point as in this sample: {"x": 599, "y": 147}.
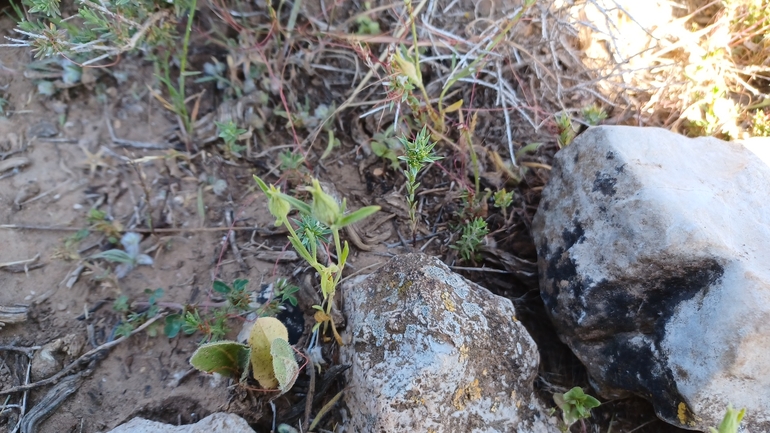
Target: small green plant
{"x": 593, "y": 114}
{"x": 99, "y": 221}
{"x": 310, "y": 229}
{"x": 387, "y": 146}
{"x": 367, "y": 26}
{"x": 128, "y": 258}
{"x": 231, "y": 134}
{"x": 283, "y": 293}
{"x": 325, "y": 210}
{"x": 503, "y": 200}
{"x": 418, "y": 153}
{"x": 301, "y": 117}
{"x": 575, "y": 405}
{"x": 566, "y": 129}
{"x": 760, "y": 124}
{"x": 730, "y": 422}
{"x": 130, "y": 320}
{"x": 472, "y": 237}
{"x": 290, "y": 161}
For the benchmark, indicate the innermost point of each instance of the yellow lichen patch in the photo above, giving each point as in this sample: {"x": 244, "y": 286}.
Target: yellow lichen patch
{"x": 495, "y": 405}
{"x": 404, "y": 287}
{"x": 514, "y": 319}
{"x": 417, "y": 401}
{"x": 448, "y": 303}
{"x": 468, "y": 393}
{"x": 684, "y": 415}
{"x": 464, "y": 351}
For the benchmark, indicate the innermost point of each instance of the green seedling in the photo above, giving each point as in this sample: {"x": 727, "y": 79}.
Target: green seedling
{"x": 503, "y": 200}
{"x": 301, "y": 117}
{"x": 127, "y": 259}
{"x": 760, "y": 124}
{"x": 575, "y": 405}
{"x": 566, "y": 129}
{"x": 593, "y": 114}
{"x": 272, "y": 359}
{"x": 332, "y": 143}
{"x": 327, "y": 211}
{"x": 130, "y": 320}
{"x": 387, "y": 146}
{"x": 310, "y": 229}
{"x": 236, "y": 295}
{"x": 472, "y": 237}
{"x": 231, "y": 134}
{"x": 418, "y": 154}
{"x": 730, "y": 422}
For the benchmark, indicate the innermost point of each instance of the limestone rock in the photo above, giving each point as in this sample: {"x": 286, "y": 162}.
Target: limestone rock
{"x": 653, "y": 266}
{"x": 433, "y": 352}
{"x": 214, "y": 423}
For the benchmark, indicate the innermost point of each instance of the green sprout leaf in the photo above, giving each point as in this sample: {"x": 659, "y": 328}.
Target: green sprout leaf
{"x": 358, "y": 215}
{"x": 731, "y": 421}
{"x": 173, "y": 325}
{"x": 221, "y": 287}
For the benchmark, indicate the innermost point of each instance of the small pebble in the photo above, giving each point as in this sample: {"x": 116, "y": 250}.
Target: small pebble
{"x": 377, "y": 172}
{"x": 28, "y": 297}
{"x": 77, "y": 206}
{"x": 61, "y": 307}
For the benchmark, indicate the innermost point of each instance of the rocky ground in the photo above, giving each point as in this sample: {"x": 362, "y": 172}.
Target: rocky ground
{"x": 101, "y": 158}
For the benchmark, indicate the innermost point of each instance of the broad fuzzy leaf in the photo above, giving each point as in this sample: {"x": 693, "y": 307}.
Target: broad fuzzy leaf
{"x": 227, "y": 358}
{"x": 263, "y": 332}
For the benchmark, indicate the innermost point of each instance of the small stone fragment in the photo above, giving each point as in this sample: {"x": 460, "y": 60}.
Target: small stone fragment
{"x": 215, "y": 423}
{"x": 26, "y": 192}
{"x": 42, "y": 129}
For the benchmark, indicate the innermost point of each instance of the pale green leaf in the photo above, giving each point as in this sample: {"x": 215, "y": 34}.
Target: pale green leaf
{"x": 227, "y": 358}
{"x": 284, "y": 364}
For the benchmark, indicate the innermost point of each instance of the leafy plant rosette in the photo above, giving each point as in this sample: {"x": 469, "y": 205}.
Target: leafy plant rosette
{"x": 575, "y": 405}
{"x": 268, "y": 352}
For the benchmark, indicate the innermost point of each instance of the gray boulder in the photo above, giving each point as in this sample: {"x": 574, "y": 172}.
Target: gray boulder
{"x": 653, "y": 267}
{"x": 215, "y": 423}
{"x": 433, "y": 352}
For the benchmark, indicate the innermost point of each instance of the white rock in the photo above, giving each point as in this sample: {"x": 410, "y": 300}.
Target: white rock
{"x": 653, "y": 256}
{"x": 214, "y": 423}
{"x": 433, "y": 352}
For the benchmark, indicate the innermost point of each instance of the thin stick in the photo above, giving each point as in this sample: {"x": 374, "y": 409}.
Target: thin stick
{"x": 75, "y": 363}
{"x": 310, "y": 391}
{"x": 139, "y": 230}
{"x": 131, "y": 143}
{"x": 492, "y": 270}
{"x": 20, "y": 262}
{"x": 26, "y": 350}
